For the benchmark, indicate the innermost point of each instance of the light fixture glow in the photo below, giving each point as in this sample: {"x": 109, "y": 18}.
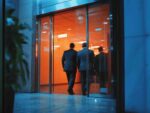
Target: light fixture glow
{"x": 95, "y": 100}
{"x": 46, "y": 49}
{"x": 62, "y": 35}
{"x": 44, "y": 31}
{"x": 80, "y": 17}
{"x": 81, "y": 42}
{"x": 105, "y": 23}
{"x": 98, "y": 29}
{"x": 94, "y": 47}
{"x": 56, "y": 46}
{"x": 108, "y": 18}
{"x": 69, "y": 29}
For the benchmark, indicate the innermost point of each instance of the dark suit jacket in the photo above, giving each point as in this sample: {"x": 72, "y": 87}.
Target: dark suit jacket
{"x": 69, "y": 60}
{"x": 101, "y": 62}
{"x": 82, "y": 62}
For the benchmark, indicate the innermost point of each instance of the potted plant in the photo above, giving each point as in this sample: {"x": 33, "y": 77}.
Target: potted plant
{"x": 16, "y": 67}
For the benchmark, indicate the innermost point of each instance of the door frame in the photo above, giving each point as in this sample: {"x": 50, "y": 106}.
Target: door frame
{"x": 118, "y": 48}
{"x": 38, "y": 41}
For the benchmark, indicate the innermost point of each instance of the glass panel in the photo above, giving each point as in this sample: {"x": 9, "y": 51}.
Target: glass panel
{"x": 44, "y": 54}
{"x": 99, "y": 42}
{"x": 69, "y": 27}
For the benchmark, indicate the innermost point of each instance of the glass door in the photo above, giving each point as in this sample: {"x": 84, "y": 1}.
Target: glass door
{"x": 44, "y": 47}
{"x": 91, "y": 25}
{"x": 99, "y": 20}
{"x": 69, "y": 27}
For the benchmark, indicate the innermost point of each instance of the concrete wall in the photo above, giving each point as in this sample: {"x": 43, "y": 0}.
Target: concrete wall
{"x": 137, "y": 63}
{"x": 147, "y": 54}
{"x": 46, "y": 6}
{"x": 25, "y": 15}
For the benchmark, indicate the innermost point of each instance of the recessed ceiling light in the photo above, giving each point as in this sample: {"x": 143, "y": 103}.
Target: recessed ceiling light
{"x": 62, "y": 35}
{"x": 105, "y": 23}
{"x": 44, "y": 31}
{"x": 81, "y": 42}
{"x": 56, "y": 46}
{"x": 94, "y": 47}
{"x": 108, "y": 18}
{"x": 69, "y": 29}
{"x": 80, "y": 17}
{"x": 98, "y": 29}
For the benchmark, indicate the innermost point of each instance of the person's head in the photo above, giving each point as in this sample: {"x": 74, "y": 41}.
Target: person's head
{"x": 84, "y": 45}
{"x": 72, "y": 45}
{"x": 100, "y": 49}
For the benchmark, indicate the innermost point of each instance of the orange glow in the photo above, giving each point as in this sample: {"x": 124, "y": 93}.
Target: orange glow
{"x": 70, "y": 26}
{"x": 44, "y": 51}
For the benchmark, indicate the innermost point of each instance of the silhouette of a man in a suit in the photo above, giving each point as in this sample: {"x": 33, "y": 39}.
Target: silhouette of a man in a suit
{"x": 70, "y": 66}
{"x": 85, "y": 61}
{"x": 101, "y": 67}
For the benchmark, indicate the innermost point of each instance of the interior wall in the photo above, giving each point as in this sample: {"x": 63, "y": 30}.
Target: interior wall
{"x": 73, "y": 24}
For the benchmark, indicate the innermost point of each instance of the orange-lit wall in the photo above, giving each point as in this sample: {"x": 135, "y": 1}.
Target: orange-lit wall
{"x": 67, "y": 22}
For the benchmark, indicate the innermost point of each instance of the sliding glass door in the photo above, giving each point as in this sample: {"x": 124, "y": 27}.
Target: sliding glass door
{"x": 90, "y": 24}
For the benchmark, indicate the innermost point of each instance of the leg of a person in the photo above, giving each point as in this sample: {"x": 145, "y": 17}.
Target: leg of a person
{"x": 105, "y": 78}
{"x": 89, "y": 78}
{"x": 83, "y": 81}
{"x": 72, "y": 79}
{"x": 68, "y": 76}
{"x": 102, "y": 79}
{"x": 70, "y": 91}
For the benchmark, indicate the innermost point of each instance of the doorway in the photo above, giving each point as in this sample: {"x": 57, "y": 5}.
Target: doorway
{"x": 90, "y": 24}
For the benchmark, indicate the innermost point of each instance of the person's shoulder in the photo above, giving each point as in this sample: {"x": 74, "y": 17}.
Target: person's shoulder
{"x": 74, "y": 51}
{"x": 97, "y": 55}
{"x": 79, "y": 52}
{"x": 66, "y": 51}
{"x": 91, "y": 51}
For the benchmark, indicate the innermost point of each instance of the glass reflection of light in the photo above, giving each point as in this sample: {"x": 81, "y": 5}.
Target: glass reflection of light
{"x": 94, "y": 47}
{"x": 44, "y": 31}
{"x": 62, "y": 35}
{"x": 95, "y": 100}
{"x": 81, "y": 42}
{"x": 98, "y": 29}
{"x": 105, "y": 23}
{"x": 46, "y": 49}
{"x": 56, "y": 46}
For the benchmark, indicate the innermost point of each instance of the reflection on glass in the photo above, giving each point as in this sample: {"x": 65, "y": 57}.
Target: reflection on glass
{"x": 69, "y": 27}
{"x": 99, "y": 36}
{"x": 44, "y": 54}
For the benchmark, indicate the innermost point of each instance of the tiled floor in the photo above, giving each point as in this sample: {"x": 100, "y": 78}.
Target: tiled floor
{"x": 62, "y": 89}
{"x": 57, "y": 103}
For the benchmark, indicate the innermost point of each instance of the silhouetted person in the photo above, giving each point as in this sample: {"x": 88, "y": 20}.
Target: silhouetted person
{"x": 101, "y": 67}
{"x": 70, "y": 66}
{"x": 85, "y": 60}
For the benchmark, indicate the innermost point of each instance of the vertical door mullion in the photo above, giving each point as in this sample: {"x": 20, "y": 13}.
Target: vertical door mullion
{"x": 39, "y": 55}
{"x": 87, "y": 40}
{"x": 52, "y": 53}
{"x": 51, "y": 56}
